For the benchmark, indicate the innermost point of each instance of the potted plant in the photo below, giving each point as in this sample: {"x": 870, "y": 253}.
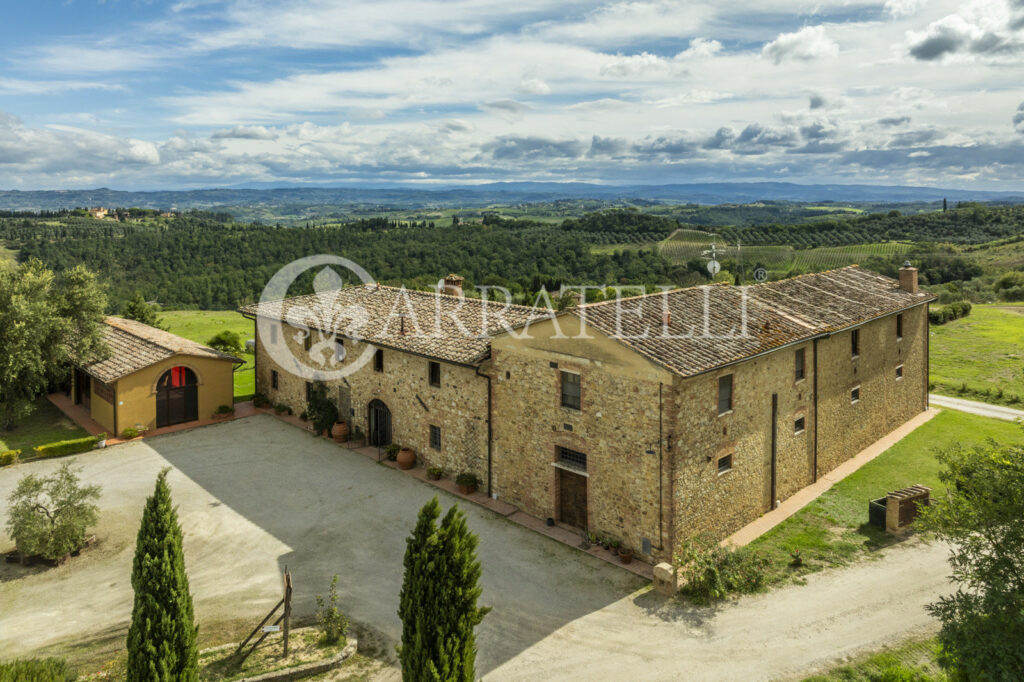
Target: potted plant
{"x": 304, "y": 416}
{"x": 435, "y": 473}
{"x": 615, "y": 546}
{"x": 129, "y": 433}
{"x": 101, "y": 440}
{"x": 467, "y": 483}
{"x": 281, "y": 408}
{"x": 392, "y": 451}
{"x": 625, "y": 555}
{"x": 223, "y": 412}
{"x": 406, "y": 458}
{"x": 340, "y": 431}
{"x": 606, "y": 542}
{"x": 798, "y": 560}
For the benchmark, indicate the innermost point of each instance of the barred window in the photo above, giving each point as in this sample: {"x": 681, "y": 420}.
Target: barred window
{"x": 572, "y": 459}
{"x": 799, "y": 425}
{"x": 855, "y": 394}
{"x": 724, "y": 464}
{"x": 571, "y": 390}
{"x": 899, "y": 372}
{"x": 435, "y": 437}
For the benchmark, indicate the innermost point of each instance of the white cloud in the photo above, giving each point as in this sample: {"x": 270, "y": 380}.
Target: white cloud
{"x": 904, "y": 8}
{"x": 810, "y": 43}
{"x": 987, "y": 29}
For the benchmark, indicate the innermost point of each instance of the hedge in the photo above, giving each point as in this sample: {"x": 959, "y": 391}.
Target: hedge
{"x": 948, "y": 313}
{"x": 9, "y": 457}
{"x": 66, "y": 447}
{"x": 36, "y": 670}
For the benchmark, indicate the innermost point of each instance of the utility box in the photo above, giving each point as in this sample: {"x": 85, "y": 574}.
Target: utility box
{"x": 902, "y": 506}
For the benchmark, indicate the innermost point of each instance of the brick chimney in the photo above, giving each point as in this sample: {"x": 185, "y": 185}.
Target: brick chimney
{"x": 908, "y": 278}
{"x": 452, "y": 285}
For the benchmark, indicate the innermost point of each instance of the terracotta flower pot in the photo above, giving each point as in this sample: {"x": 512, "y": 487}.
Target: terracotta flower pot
{"x": 340, "y": 432}
{"x": 625, "y": 555}
{"x": 467, "y": 489}
{"x": 406, "y": 458}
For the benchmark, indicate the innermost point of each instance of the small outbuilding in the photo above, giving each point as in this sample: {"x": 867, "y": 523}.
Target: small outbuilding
{"x": 152, "y": 379}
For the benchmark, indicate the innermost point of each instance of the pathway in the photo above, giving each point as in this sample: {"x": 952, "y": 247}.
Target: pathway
{"x": 974, "y": 407}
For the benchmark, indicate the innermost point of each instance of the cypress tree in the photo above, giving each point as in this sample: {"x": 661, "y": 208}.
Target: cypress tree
{"x": 438, "y": 602}
{"x": 162, "y": 636}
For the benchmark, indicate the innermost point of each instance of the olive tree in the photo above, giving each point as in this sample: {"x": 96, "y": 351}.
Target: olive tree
{"x": 49, "y": 515}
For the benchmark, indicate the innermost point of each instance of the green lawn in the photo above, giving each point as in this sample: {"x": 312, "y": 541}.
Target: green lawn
{"x": 895, "y": 663}
{"x": 982, "y": 352}
{"x": 202, "y": 325}
{"x": 834, "y": 529}
{"x": 46, "y": 424}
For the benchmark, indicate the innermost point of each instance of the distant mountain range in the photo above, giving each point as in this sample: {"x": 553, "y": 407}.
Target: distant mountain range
{"x": 484, "y": 195}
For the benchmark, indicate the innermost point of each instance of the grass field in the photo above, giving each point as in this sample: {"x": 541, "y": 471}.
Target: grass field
{"x": 202, "y": 325}
{"x": 901, "y": 662}
{"x": 46, "y": 424}
{"x": 982, "y": 352}
{"x": 781, "y": 260}
{"x": 834, "y": 530}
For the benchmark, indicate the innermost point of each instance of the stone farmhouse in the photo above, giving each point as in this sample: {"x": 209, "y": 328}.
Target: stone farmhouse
{"x": 650, "y": 419}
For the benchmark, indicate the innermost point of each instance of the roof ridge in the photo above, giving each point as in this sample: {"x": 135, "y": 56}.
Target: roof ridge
{"x": 126, "y": 329}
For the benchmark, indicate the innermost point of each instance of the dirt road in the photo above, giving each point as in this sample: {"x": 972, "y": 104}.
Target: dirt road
{"x": 256, "y": 494}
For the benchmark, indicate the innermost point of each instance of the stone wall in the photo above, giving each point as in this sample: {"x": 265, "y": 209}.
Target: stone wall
{"x": 458, "y": 406}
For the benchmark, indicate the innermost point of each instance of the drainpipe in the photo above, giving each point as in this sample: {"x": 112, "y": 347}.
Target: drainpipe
{"x": 661, "y": 472}
{"x": 927, "y": 356}
{"x": 490, "y": 433}
{"x": 814, "y": 475}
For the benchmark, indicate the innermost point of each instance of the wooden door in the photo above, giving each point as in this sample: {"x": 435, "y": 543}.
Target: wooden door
{"x": 572, "y": 498}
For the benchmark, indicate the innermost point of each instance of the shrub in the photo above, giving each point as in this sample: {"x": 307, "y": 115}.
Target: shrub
{"x": 467, "y": 479}
{"x": 227, "y": 342}
{"x": 260, "y": 400}
{"x": 129, "y": 433}
{"x": 331, "y": 621}
{"x": 36, "y": 670}
{"x": 392, "y": 451}
{"x": 323, "y": 412}
{"x": 9, "y": 457}
{"x": 48, "y": 515}
{"x": 436, "y": 472}
{"x": 946, "y": 313}
{"x": 224, "y": 409}
{"x": 66, "y": 447}
{"x": 281, "y": 408}
{"x": 713, "y": 572}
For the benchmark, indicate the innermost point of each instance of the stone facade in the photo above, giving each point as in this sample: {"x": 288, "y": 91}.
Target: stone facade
{"x": 458, "y": 406}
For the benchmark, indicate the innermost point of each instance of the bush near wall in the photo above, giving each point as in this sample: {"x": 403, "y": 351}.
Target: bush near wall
{"x": 9, "y": 457}
{"x": 947, "y": 313}
{"x": 36, "y": 670}
{"x": 65, "y": 447}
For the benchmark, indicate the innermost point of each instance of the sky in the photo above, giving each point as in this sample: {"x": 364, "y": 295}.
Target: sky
{"x": 135, "y": 94}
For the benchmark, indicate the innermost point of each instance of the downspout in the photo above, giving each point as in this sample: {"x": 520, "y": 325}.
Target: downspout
{"x": 927, "y": 356}
{"x": 814, "y": 474}
{"x": 114, "y": 435}
{"x": 661, "y": 472}
{"x": 490, "y": 433}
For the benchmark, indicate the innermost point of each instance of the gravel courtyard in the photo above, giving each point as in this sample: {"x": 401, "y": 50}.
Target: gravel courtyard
{"x": 255, "y": 495}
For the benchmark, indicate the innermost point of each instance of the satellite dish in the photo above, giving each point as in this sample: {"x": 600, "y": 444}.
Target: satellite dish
{"x": 713, "y": 267}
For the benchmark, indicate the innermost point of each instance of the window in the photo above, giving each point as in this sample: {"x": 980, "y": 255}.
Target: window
{"x": 435, "y": 437}
{"x": 855, "y": 394}
{"x": 800, "y": 365}
{"x": 724, "y": 394}
{"x": 855, "y": 343}
{"x": 339, "y": 350}
{"x": 378, "y": 360}
{"x": 572, "y": 459}
{"x": 899, "y": 372}
{"x": 899, "y": 326}
{"x": 307, "y": 342}
{"x": 571, "y": 390}
{"x": 435, "y": 373}
{"x": 799, "y": 425}
{"x": 273, "y": 379}
{"x": 273, "y": 333}
{"x": 724, "y": 464}
{"x": 309, "y": 391}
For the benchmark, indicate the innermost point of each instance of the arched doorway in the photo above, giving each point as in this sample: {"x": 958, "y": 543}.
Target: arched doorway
{"x": 379, "y": 422}
{"x": 177, "y": 397}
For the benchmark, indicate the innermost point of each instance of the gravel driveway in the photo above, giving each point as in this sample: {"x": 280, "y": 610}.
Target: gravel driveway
{"x": 256, "y": 494}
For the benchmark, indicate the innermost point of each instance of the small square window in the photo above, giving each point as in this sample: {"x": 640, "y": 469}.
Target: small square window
{"x": 571, "y": 390}
{"x": 724, "y": 464}
{"x": 273, "y": 379}
{"x": 855, "y": 394}
{"x": 435, "y": 437}
{"x": 378, "y": 360}
{"x": 435, "y": 373}
{"x": 724, "y": 394}
{"x": 899, "y": 372}
{"x": 855, "y": 343}
{"x": 899, "y": 326}
{"x": 799, "y": 425}
{"x": 800, "y": 365}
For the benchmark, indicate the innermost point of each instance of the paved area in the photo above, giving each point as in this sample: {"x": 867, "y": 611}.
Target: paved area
{"x": 801, "y": 499}
{"x": 257, "y": 494}
{"x": 974, "y": 407}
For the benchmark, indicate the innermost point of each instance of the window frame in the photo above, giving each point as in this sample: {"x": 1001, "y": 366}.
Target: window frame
{"x": 731, "y": 397}
{"x": 378, "y": 360}
{"x": 854, "y": 344}
{"x": 432, "y": 368}
{"x": 435, "y": 437}
{"x": 855, "y": 395}
{"x": 578, "y": 406}
{"x": 727, "y": 459}
{"x": 799, "y": 425}
{"x": 899, "y": 372}
{"x": 572, "y": 462}
{"x": 339, "y": 350}
{"x": 309, "y": 391}
{"x": 274, "y": 379}
{"x": 899, "y": 326}
{"x": 800, "y": 365}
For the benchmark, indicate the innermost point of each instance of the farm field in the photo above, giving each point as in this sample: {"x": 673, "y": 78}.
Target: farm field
{"x": 983, "y": 352}
{"x": 202, "y": 325}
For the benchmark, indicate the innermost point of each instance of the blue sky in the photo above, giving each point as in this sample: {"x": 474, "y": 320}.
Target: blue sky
{"x": 200, "y": 93}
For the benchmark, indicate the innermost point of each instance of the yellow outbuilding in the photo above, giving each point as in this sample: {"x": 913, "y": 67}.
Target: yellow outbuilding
{"x": 152, "y": 379}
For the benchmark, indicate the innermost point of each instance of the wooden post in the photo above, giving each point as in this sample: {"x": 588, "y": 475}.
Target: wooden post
{"x": 287, "y": 608}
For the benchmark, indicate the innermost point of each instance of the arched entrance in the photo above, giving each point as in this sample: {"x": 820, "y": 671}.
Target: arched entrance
{"x": 379, "y": 423}
{"x": 177, "y": 397}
